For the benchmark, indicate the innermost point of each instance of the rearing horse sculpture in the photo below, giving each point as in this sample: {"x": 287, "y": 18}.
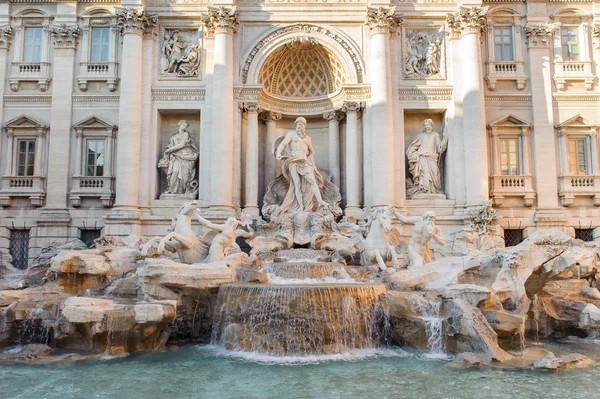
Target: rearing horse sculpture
{"x": 382, "y": 238}
{"x": 183, "y": 240}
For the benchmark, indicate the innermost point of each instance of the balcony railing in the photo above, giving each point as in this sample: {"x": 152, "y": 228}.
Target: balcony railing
{"x": 565, "y": 71}
{"x": 572, "y": 186}
{"x": 38, "y": 72}
{"x": 92, "y": 186}
{"x": 512, "y": 186}
{"x": 506, "y": 70}
{"x": 32, "y": 187}
{"x": 98, "y": 71}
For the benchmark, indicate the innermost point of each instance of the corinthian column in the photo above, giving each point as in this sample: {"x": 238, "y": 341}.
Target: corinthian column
{"x": 251, "y": 180}
{"x": 334, "y": 118}
{"x": 539, "y": 39}
{"x": 5, "y": 34}
{"x": 381, "y": 22}
{"x": 270, "y": 118}
{"x": 469, "y": 23}
{"x": 221, "y": 23}
{"x": 133, "y": 22}
{"x": 352, "y": 159}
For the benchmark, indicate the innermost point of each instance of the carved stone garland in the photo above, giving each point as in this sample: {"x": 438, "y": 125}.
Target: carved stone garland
{"x": 538, "y": 35}
{"x": 135, "y": 20}
{"x": 65, "y": 36}
{"x": 220, "y": 20}
{"x": 468, "y": 20}
{"x": 382, "y": 20}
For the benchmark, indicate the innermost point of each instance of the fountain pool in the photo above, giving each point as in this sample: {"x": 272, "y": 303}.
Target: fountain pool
{"x": 208, "y": 372}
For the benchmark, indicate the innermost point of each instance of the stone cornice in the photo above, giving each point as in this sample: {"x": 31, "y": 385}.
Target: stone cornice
{"x": 220, "y": 20}
{"x": 468, "y": 20}
{"x": 382, "y": 20}
{"x": 135, "y": 20}
{"x": 65, "y": 36}
{"x": 538, "y": 35}
{"x": 5, "y": 34}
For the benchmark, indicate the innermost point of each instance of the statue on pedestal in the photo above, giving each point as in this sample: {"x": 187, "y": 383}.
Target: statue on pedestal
{"x": 423, "y": 159}
{"x": 179, "y": 162}
{"x": 296, "y": 150}
{"x": 424, "y": 230}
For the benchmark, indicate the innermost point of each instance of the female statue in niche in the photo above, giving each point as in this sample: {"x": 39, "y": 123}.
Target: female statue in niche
{"x": 179, "y": 162}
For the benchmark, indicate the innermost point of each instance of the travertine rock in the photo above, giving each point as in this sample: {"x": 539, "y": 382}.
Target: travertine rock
{"x": 551, "y": 362}
{"x": 435, "y": 275}
{"x": 85, "y": 310}
{"x": 155, "y": 312}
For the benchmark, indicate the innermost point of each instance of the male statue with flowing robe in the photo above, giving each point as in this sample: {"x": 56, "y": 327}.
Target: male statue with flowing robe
{"x": 423, "y": 159}
{"x": 295, "y": 149}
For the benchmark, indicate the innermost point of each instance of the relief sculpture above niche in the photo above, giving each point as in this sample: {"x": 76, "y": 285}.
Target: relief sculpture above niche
{"x": 180, "y": 54}
{"x": 424, "y": 54}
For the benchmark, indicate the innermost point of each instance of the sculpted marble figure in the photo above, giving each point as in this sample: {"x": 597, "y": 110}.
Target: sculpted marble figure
{"x": 295, "y": 149}
{"x": 423, "y": 159}
{"x": 216, "y": 245}
{"x": 424, "y": 231}
{"x": 423, "y": 55}
{"x": 179, "y": 162}
{"x": 379, "y": 245}
{"x": 178, "y": 56}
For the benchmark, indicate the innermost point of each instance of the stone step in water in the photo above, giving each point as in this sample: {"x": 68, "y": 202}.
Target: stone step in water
{"x": 307, "y": 270}
{"x": 303, "y": 319}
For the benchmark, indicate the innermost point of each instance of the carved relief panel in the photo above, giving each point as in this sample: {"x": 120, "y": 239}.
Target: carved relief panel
{"x": 180, "y": 54}
{"x": 424, "y": 53}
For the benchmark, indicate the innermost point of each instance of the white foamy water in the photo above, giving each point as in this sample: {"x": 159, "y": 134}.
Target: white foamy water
{"x": 261, "y": 358}
{"x": 273, "y": 279}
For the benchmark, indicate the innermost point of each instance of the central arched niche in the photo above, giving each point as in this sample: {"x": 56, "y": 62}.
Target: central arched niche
{"x": 301, "y": 68}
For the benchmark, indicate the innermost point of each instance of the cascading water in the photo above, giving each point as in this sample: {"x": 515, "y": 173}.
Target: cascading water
{"x": 428, "y": 309}
{"x": 33, "y": 328}
{"x": 309, "y": 308}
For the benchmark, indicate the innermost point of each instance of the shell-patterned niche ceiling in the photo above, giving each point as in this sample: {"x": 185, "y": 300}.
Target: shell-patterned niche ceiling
{"x": 302, "y": 68}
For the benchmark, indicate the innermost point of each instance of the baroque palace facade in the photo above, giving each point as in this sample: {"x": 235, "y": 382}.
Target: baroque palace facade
{"x": 115, "y": 113}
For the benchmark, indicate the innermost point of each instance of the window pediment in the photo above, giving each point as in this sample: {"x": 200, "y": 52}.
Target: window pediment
{"x": 25, "y": 122}
{"x": 94, "y": 123}
{"x": 577, "y": 122}
{"x": 509, "y": 121}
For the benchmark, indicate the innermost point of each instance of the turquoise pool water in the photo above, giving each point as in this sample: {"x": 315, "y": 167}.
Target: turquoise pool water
{"x": 205, "y": 372}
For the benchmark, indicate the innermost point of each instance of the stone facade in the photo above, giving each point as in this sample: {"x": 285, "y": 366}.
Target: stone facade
{"x": 92, "y": 92}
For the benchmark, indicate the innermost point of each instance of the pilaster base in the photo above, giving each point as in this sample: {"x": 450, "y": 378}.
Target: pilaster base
{"x": 121, "y": 222}
{"x": 550, "y": 219}
{"x": 353, "y": 211}
{"x": 218, "y": 213}
{"x": 251, "y": 211}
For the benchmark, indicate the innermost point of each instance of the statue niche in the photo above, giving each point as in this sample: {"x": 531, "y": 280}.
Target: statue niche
{"x": 179, "y": 164}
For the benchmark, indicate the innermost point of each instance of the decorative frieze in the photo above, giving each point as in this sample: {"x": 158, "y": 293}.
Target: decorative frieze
{"x": 182, "y": 94}
{"x": 5, "y": 34}
{"x": 180, "y": 54}
{"x": 425, "y": 94}
{"x": 65, "y": 36}
{"x": 135, "y": 20}
{"x": 423, "y": 56}
{"x": 220, "y": 20}
{"x": 467, "y": 20}
{"x": 538, "y": 35}
{"x": 382, "y": 20}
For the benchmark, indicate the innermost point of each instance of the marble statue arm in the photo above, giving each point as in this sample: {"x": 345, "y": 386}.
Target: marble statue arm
{"x": 441, "y": 147}
{"x": 207, "y": 223}
{"x": 184, "y": 143}
{"x": 282, "y": 145}
{"x": 243, "y": 233}
{"x": 438, "y": 237}
{"x": 407, "y": 220}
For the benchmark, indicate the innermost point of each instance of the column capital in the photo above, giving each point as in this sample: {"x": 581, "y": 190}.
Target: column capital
{"x": 252, "y": 107}
{"x": 333, "y": 115}
{"x": 382, "y": 20}
{"x": 352, "y": 107}
{"x": 5, "y": 34}
{"x": 271, "y": 116}
{"x": 220, "y": 20}
{"x": 538, "y": 35}
{"x": 65, "y": 36}
{"x": 467, "y": 20}
{"x": 135, "y": 20}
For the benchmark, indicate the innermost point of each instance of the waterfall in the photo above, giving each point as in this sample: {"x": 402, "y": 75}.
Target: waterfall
{"x": 33, "y": 328}
{"x": 299, "y": 319}
{"x": 307, "y": 273}
{"x": 428, "y": 309}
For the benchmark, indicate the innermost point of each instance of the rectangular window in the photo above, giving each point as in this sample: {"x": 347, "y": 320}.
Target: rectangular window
{"x": 89, "y": 236}
{"x": 570, "y": 44}
{"x": 577, "y": 157}
{"x": 99, "y": 45}
{"x": 94, "y": 163}
{"x": 584, "y": 234}
{"x": 25, "y": 157}
{"x": 503, "y": 43}
{"x": 509, "y": 157}
{"x": 513, "y": 237}
{"x": 32, "y": 48}
{"x": 19, "y": 248}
